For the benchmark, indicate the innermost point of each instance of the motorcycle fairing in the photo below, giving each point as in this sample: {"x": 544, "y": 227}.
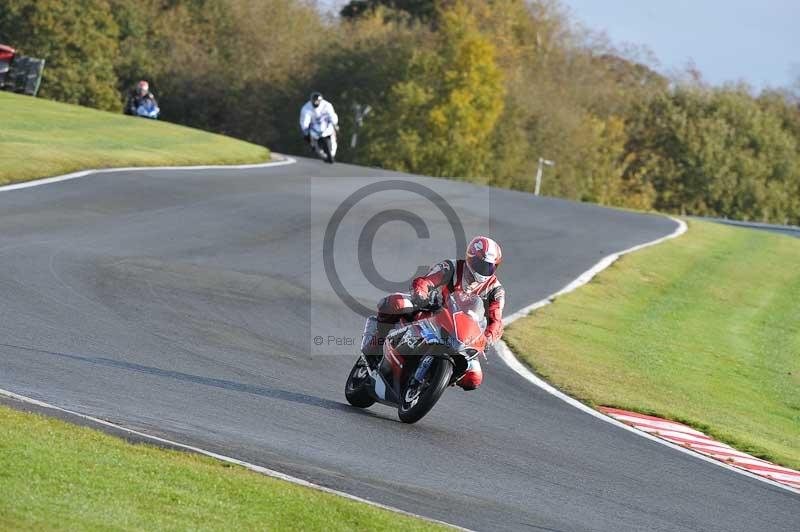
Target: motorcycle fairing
{"x": 452, "y": 330}
{"x": 427, "y": 332}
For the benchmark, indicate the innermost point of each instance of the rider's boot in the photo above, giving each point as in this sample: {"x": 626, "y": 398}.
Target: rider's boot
{"x": 372, "y": 342}
{"x": 473, "y": 377}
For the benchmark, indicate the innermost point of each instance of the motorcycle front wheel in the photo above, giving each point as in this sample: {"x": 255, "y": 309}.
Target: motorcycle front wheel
{"x": 419, "y": 397}
{"x": 356, "y": 390}
{"x": 325, "y": 142}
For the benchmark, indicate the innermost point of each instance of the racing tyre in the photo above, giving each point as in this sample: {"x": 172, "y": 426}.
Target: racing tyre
{"x": 326, "y": 147}
{"x": 419, "y": 398}
{"x": 356, "y": 390}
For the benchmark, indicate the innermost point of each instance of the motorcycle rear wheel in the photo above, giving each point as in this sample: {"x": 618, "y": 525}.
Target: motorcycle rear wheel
{"x": 356, "y": 390}
{"x": 418, "y": 400}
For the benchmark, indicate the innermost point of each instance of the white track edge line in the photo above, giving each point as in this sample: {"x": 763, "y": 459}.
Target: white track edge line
{"x": 247, "y": 465}
{"x": 83, "y": 173}
{"x": 508, "y": 356}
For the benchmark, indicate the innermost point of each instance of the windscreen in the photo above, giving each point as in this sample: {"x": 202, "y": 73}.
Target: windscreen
{"x": 469, "y": 304}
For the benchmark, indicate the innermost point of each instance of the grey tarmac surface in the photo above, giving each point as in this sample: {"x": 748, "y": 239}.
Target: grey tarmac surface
{"x": 182, "y": 303}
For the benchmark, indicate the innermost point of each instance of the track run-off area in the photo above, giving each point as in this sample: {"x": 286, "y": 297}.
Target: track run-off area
{"x": 183, "y": 303}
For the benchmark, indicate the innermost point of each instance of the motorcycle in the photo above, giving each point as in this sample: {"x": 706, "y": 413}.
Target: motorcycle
{"x": 421, "y": 358}
{"x": 323, "y": 138}
{"x": 148, "y": 109}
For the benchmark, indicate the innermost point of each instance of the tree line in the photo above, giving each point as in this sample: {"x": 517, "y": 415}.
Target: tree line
{"x": 464, "y": 89}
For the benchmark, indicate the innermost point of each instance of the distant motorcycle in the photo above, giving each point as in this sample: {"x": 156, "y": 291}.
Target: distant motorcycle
{"x": 422, "y": 358}
{"x": 148, "y": 109}
{"x": 323, "y": 138}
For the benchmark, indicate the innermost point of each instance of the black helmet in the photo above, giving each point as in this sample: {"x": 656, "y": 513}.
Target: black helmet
{"x": 316, "y": 98}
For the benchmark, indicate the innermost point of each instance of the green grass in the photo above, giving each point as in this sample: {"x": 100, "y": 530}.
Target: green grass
{"x": 703, "y": 329}
{"x": 56, "y": 476}
{"x": 40, "y": 138}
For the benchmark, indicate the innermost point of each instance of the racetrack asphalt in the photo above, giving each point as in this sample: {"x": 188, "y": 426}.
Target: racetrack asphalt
{"x": 181, "y": 304}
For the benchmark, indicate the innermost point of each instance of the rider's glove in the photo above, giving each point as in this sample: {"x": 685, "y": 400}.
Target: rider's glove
{"x": 433, "y": 300}
{"x": 419, "y": 299}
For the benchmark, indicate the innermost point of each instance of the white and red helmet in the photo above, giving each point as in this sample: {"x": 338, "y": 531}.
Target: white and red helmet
{"x": 483, "y": 257}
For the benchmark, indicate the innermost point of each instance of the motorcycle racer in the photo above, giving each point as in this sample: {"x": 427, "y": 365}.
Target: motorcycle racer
{"x": 475, "y": 274}
{"x": 313, "y": 112}
{"x": 141, "y": 102}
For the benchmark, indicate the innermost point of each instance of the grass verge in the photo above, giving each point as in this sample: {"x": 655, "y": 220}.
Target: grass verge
{"x": 41, "y": 138}
{"x": 59, "y": 476}
{"x": 703, "y": 329}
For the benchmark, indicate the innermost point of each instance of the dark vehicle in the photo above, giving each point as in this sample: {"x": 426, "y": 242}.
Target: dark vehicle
{"x": 19, "y": 73}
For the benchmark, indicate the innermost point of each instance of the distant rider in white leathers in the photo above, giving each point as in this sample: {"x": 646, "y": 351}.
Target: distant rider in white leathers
{"x": 313, "y": 113}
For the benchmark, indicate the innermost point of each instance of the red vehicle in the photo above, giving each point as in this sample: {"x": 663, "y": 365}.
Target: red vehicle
{"x": 6, "y": 57}
{"x": 422, "y": 358}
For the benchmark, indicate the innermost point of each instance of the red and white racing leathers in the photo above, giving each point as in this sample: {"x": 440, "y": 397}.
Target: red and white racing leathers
{"x": 447, "y": 277}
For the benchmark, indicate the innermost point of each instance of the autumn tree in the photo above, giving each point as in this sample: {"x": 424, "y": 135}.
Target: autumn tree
{"x": 439, "y": 118}
{"x": 716, "y": 152}
{"x": 422, "y": 10}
